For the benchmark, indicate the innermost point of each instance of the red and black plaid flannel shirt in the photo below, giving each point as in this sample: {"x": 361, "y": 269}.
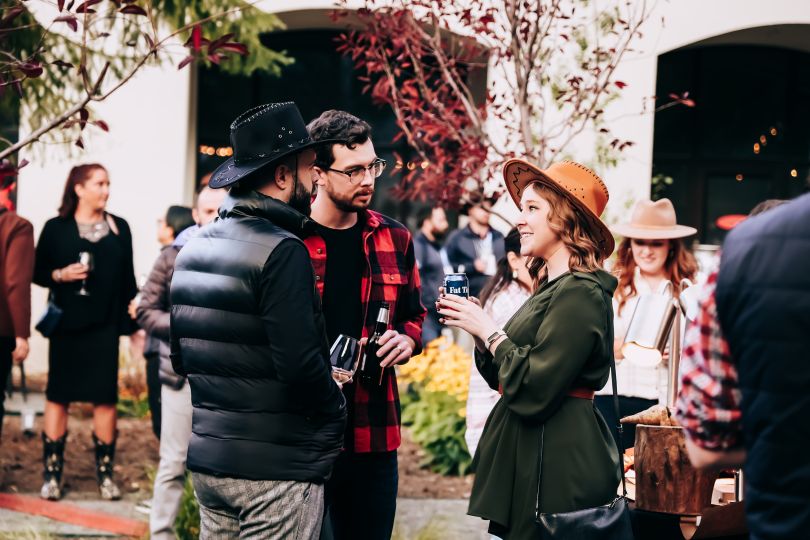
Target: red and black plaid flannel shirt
{"x": 390, "y": 276}
{"x": 709, "y": 401}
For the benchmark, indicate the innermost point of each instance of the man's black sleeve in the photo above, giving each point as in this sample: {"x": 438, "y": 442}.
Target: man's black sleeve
{"x": 288, "y": 305}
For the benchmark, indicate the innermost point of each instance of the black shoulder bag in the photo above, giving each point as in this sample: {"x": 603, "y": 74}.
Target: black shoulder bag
{"x": 607, "y": 522}
{"x": 50, "y": 318}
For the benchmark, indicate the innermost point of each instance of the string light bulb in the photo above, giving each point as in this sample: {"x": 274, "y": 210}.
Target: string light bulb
{"x": 756, "y": 148}
{"x": 739, "y": 178}
{"x": 773, "y": 132}
{"x": 794, "y": 173}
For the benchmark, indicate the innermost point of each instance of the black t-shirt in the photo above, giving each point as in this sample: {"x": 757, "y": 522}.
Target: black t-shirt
{"x": 345, "y": 259}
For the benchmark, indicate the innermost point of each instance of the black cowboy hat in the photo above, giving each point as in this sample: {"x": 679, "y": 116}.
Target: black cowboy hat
{"x": 260, "y": 136}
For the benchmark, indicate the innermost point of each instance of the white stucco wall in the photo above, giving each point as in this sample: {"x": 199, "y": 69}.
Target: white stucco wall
{"x": 146, "y": 154}
{"x": 685, "y": 22}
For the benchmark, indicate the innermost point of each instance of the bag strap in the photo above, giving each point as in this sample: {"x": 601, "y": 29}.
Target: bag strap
{"x": 614, "y": 384}
{"x": 619, "y": 427}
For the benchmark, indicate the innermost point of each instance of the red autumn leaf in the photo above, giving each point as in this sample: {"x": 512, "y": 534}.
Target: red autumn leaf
{"x": 676, "y": 97}
{"x": 186, "y": 61}
{"x": 60, "y": 4}
{"x": 80, "y": 143}
{"x": 70, "y": 5}
{"x": 132, "y": 9}
{"x": 217, "y": 43}
{"x": 12, "y": 14}
{"x": 215, "y": 58}
{"x": 196, "y": 38}
{"x": 101, "y": 124}
{"x": 31, "y": 70}
{"x": 620, "y": 84}
{"x": 85, "y": 6}
{"x": 235, "y": 47}
{"x": 688, "y": 102}
{"x": 149, "y": 41}
{"x": 83, "y": 116}
{"x": 70, "y": 20}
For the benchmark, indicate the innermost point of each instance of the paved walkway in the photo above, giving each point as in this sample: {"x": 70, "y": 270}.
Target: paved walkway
{"x": 426, "y": 519}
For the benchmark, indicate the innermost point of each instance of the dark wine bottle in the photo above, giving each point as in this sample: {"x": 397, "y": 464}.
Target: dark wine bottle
{"x": 370, "y": 371}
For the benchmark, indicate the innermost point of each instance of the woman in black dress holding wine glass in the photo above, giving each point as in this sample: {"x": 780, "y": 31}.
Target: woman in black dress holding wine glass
{"x": 84, "y": 256}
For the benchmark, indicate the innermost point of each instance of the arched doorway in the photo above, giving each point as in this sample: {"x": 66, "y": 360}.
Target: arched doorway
{"x": 746, "y": 140}
{"x": 319, "y": 79}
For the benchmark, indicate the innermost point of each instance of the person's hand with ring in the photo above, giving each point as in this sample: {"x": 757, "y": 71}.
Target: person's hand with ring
{"x": 395, "y": 348}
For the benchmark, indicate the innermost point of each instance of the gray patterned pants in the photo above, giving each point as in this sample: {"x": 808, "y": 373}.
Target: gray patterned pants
{"x": 272, "y": 509}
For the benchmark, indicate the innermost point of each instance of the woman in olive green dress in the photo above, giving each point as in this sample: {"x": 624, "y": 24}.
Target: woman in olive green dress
{"x": 548, "y": 359}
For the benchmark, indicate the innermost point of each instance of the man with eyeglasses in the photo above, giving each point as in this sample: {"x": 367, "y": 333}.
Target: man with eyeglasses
{"x": 362, "y": 259}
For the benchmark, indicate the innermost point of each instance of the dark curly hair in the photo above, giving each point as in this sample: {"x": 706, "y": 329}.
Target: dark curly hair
{"x": 339, "y": 125}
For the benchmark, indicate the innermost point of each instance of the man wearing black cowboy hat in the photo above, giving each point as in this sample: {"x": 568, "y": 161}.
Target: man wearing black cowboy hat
{"x": 247, "y": 330}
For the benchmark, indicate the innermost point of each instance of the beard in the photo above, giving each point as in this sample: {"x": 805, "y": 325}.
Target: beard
{"x": 347, "y": 203}
{"x": 301, "y": 199}
{"x": 439, "y": 235}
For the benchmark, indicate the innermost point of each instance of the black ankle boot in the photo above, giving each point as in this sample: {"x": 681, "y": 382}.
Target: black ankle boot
{"x": 53, "y": 460}
{"x": 105, "y": 460}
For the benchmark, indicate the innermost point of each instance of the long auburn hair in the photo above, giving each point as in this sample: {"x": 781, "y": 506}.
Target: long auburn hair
{"x": 680, "y": 264}
{"x": 503, "y": 273}
{"x": 574, "y": 231}
{"x": 77, "y": 176}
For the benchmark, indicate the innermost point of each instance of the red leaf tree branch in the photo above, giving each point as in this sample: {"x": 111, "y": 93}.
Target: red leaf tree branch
{"x": 550, "y": 67}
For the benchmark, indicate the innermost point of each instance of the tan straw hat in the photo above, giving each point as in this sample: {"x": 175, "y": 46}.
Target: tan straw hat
{"x": 653, "y": 221}
{"x": 577, "y": 183}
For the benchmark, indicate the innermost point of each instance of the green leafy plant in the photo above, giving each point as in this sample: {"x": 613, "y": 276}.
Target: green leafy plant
{"x": 437, "y": 425}
{"x": 187, "y": 524}
{"x": 133, "y": 407}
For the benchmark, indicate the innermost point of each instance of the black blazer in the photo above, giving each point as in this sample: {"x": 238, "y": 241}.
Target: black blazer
{"x": 111, "y": 283}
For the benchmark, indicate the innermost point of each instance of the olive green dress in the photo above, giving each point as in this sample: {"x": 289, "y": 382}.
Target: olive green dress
{"x": 561, "y": 338}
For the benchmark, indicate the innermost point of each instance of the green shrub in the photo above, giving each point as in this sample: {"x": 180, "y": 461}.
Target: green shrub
{"x": 438, "y": 426}
{"x": 187, "y": 525}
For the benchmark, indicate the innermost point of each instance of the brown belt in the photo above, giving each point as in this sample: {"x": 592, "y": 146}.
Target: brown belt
{"x": 581, "y": 393}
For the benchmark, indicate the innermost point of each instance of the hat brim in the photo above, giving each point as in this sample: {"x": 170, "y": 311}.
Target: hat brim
{"x": 229, "y": 172}
{"x": 517, "y": 174}
{"x": 653, "y": 233}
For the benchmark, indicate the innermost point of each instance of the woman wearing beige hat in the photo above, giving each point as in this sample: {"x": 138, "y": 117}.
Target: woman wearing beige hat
{"x": 651, "y": 259}
{"x": 545, "y": 448}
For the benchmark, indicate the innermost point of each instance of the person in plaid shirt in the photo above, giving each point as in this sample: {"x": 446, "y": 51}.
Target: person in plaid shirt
{"x": 708, "y": 405}
{"x": 361, "y": 259}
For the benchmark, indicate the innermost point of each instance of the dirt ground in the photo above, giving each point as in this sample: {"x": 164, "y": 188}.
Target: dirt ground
{"x": 137, "y": 454}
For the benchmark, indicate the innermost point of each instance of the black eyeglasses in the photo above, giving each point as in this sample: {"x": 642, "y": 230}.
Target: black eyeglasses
{"x": 357, "y": 174}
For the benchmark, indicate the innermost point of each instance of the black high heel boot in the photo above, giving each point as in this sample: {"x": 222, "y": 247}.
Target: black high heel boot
{"x": 53, "y": 460}
{"x": 105, "y": 460}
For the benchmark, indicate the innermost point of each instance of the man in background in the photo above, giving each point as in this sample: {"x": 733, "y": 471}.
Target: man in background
{"x": 476, "y": 248}
{"x": 16, "y": 272}
{"x": 744, "y": 400}
{"x": 175, "y": 395}
{"x": 427, "y": 245}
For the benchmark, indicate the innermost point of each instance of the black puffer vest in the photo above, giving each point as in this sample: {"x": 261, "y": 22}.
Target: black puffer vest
{"x": 763, "y": 302}
{"x": 246, "y": 422}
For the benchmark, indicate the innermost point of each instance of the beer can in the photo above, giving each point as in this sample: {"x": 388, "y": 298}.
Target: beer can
{"x": 457, "y": 284}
